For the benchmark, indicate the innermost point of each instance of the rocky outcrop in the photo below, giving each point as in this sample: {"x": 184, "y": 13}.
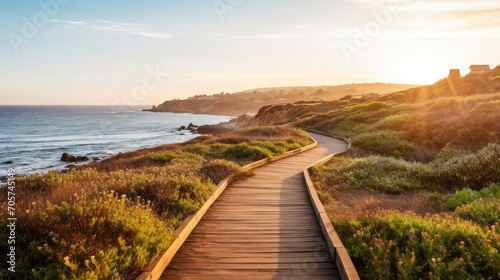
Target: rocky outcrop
{"x": 67, "y": 157}
{"x": 191, "y": 127}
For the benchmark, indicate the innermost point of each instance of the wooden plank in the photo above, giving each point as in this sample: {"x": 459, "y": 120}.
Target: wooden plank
{"x": 235, "y": 231}
{"x": 251, "y": 248}
{"x": 319, "y": 254}
{"x": 261, "y": 228}
{"x": 250, "y": 260}
{"x": 246, "y": 266}
{"x": 296, "y": 273}
{"x": 342, "y": 258}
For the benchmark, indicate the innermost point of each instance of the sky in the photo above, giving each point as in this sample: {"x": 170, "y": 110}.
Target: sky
{"x": 130, "y": 52}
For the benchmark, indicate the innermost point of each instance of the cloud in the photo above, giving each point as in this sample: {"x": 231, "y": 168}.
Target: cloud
{"x": 154, "y": 35}
{"x": 78, "y": 23}
{"x": 334, "y": 34}
{"x": 267, "y": 36}
{"x": 438, "y": 18}
{"x": 118, "y": 27}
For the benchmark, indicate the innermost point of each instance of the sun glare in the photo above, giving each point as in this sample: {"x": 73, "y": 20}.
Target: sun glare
{"x": 421, "y": 69}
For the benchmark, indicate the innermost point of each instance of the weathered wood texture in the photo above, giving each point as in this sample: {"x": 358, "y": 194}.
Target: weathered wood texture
{"x": 261, "y": 228}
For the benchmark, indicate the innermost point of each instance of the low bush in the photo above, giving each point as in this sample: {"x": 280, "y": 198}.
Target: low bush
{"x": 449, "y": 202}
{"x": 74, "y": 225}
{"x": 219, "y": 169}
{"x": 394, "y": 245}
{"x": 452, "y": 170}
{"x": 199, "y": 149}
{"x": 458, "y": 169}
{"x": 387, "y": 175}
{"x": 385, "y": 142}
{"x": 405, "y": 130}
{"x": 275, "y": 147}
{"x": 482, "y": 212}
{"x": 90, "y": 237}
{"x": 245, "y": 153}
{"x": 156, "y": 158}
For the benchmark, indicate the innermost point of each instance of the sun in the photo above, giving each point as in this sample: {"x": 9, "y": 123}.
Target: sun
{"x": 421, "y": 69}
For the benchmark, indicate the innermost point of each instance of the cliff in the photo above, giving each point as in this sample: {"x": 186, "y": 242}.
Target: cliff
{"x": 251, "y": 101}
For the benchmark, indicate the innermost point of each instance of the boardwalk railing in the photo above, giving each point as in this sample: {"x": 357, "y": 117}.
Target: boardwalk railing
{"x": 335, "y": 246}
{"x": 156, "y": 268}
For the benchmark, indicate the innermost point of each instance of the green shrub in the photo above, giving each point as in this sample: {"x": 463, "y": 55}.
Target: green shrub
{"x": 458, "y": 169}
{"x": 482, "y": 212}
{"x": 245, "y": 153}
{"x": 105, "y": 237}
{"x": 218, "y": 150}
{"x": 219, "y": 169}
{"x": 274, "y": 147}
{"x": 189, "y": 195}
{"x": 157, "y": 158}
{"x": 452, "y": 170}
{"x": 199, "y": 149}
{"x": 54, "y": 180}
{"x": 396, "y": 122}
{"x": 381, "y": 174}
{"x": 280, "y": 147}
{"x": 406, "y": 246}
{"x": 449, "y": 202}
{"x": 172, "y": 198}
{"x": 73, "y": 228}
{"x": 385, "y": 142}
{"x": 270, "y": 132}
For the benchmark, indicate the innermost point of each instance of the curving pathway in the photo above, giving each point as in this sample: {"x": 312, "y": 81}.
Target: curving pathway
{"x": 261, "y": 228}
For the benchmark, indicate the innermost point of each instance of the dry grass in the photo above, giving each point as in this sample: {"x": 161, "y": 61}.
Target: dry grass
{"x": 108, "y": 220}
{"x": 344, "y": 205}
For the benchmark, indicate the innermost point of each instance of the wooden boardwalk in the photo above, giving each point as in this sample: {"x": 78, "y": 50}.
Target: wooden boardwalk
{"x": 261, "y": 228}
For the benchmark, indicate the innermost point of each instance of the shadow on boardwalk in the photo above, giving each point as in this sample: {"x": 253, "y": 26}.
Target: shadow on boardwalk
{"x": 261, "y": 228}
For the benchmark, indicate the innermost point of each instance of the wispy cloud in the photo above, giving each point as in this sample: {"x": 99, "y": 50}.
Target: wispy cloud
{"x": 438, "y": 18}
{"x": 118, "y": 27}
{"x": 78, "y": 23}
{"x": 268, "y": 36}
{"x": 334, "y": 33}
{"x": 154, "y": 34}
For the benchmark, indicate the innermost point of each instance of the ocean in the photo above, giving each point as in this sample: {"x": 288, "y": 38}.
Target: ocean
{"x": 33, "y": 138}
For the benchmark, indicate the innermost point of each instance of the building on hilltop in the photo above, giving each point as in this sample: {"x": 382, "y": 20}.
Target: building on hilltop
{"x": 479, "y": 69}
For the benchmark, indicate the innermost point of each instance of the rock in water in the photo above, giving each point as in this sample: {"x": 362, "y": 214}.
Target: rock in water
{"x": 71, "y": 158}
{"x": 191, "y": 127}
{"x": 82, "y": 158}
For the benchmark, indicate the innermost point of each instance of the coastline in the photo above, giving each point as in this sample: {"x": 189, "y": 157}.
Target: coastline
{"x": 88, "y": 131}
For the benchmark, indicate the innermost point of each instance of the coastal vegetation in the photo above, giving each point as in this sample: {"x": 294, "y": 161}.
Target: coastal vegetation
{"x": 250, "y": 101}
{"x": 418, "y": 195}
{"x": 108, "y": 220}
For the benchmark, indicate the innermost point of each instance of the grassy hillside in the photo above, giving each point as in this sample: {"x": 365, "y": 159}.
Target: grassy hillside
{"x": 110, "y": 219}
{"x": 418, "y": 196}
{"x": 414, "y": 131}
{"x": 251, "y": 101}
